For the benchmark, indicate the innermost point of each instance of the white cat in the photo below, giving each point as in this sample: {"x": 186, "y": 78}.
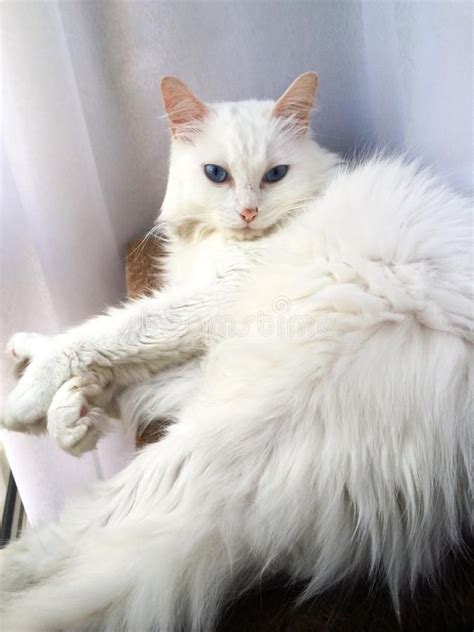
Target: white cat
{"x": 312, "y": 345}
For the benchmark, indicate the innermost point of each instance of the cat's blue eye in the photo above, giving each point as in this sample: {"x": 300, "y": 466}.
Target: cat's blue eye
{"x": 216, "y": 173}
{"x": 275, "y": 174}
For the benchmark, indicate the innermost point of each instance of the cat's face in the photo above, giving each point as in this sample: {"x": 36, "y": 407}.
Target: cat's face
{"x": 240, "y": 168}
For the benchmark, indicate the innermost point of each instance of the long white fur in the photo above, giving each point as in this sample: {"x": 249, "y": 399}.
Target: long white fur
{"x": 319, "y": 377}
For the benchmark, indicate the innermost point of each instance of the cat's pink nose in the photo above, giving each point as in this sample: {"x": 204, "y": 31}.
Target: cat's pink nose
{"x": 248, "y": 214}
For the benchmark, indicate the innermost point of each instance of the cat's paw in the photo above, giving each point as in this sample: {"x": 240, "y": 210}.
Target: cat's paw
{"x": 27, "y": 405}
{"x": 24, "y": 410}
{"x": 23, "y": 347}
{"x": 73, "y": 422}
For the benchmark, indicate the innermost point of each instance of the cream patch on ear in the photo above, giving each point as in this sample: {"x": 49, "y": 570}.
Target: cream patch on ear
{"x": 298, "y": 100}
{"x": 185, "y": 111}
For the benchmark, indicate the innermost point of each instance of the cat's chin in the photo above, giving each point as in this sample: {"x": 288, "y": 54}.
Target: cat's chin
{"x": 243, "y": 234}
{"x": 195, "y": 232}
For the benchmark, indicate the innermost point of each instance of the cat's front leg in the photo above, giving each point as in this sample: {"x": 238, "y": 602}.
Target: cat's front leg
{"x": 59, "y": 393}
{"x": 113, "y": 351}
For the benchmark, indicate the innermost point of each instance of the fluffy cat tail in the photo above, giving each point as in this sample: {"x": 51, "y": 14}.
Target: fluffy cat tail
{"x": 106, "y": 568}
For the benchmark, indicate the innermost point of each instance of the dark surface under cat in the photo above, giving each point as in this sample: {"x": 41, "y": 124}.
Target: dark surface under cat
{"x": 352, "y": 607}
{"x": 357, "y": 608}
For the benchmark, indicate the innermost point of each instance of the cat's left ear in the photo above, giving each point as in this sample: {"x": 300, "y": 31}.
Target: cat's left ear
{"x": 185, "y": 111}
{"x": 297, "y": 102}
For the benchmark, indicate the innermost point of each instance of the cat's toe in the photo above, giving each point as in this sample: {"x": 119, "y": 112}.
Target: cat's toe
{"x": 22, "y": 346}
{"x": 73, "y": 422}
{"x": 81, "y": 438}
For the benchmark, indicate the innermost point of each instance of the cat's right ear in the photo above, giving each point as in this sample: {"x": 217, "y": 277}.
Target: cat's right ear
{"x": 185, "y": 111}
{"x": 298, "y": 101}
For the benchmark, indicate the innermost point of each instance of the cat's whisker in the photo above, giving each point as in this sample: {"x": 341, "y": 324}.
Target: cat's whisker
{"x": 141, "y": 245}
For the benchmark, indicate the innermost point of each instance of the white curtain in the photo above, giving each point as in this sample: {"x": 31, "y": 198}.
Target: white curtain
{"x": 85, "y": 145}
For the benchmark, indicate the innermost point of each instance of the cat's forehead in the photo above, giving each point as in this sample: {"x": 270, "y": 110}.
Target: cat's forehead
{"x": 244, "y": 131}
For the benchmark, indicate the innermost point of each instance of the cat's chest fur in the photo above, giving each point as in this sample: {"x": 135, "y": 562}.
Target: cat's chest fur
{"x": 267, "y": 275}
{"x": 198, "y": 264}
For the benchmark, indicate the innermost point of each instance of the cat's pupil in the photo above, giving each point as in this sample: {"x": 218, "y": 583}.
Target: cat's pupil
{"x": 276, "y": 173}
{"x": 216, "y": 173}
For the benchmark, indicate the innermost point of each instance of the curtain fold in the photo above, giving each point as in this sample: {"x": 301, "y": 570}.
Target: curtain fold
{"x": 85, "y": 143}
{"x": 61, "y": 261}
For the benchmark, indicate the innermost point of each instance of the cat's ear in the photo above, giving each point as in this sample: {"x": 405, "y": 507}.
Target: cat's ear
{"x": 298, "y": 100}
{"x": 185, "y": 111}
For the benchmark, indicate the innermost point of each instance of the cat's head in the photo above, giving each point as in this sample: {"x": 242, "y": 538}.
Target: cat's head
{"x": 240, "y": 168}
